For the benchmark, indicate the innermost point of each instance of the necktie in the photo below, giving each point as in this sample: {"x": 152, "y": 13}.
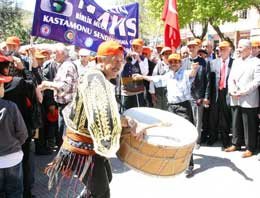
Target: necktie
{"x": 222, "y": 76}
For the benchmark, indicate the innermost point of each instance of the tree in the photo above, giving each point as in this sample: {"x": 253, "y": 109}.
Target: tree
{"x": 11, "y": 21}
{"x": 205, "y": 12}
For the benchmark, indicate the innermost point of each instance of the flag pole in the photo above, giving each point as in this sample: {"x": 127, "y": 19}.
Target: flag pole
{"x": 30, "y": 54}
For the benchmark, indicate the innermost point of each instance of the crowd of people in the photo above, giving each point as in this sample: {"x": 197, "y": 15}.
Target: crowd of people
{"x": 217, "y": 90}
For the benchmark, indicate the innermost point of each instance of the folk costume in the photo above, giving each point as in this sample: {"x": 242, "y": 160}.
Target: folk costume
{"x": 93, "y": 133}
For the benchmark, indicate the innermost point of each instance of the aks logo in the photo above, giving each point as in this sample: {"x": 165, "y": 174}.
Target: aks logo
{"x": 69, "y": 36}
{"x": 45, "y": 30}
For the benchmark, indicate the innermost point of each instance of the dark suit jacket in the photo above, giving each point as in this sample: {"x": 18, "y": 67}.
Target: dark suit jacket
{"x": 215, "y": 67}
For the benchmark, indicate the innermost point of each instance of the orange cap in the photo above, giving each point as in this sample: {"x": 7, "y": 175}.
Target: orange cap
{"x": 254, "y": 43}
{"x": 174, "y": 56}
{"x": 39, "y": 54}
{"x": 224, "y": 44}
{"x": 147, "y": 50}
{"x": 13, "y": 40}
{"x": 197, "y": 40}
{"x": 46, "y": 52}
{"x": 109, "y": 48}
{"x": 192, "y": 42}
{"x": 138, "y": 42}
{"x": 5, "y": 79}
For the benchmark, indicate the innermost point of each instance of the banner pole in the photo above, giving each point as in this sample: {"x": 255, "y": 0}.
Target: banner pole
{"x": 30, "y": 54}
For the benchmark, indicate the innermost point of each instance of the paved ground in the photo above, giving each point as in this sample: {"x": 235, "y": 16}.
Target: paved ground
{"x": 217, "y": 174}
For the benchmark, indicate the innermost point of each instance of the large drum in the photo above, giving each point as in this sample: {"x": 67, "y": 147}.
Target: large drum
{"x": 165, "y": 150}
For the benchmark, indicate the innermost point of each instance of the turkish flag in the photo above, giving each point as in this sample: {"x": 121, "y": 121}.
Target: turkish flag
{"x": 172, "y": 36}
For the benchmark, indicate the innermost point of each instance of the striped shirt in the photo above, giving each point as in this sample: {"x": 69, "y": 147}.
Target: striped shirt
{"x": 66, "y": 77}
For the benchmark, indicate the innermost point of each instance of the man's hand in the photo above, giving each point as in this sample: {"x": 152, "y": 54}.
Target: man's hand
{"x": 205, "y": 102}
{"x": 137, "y": 77}
{"x": 18, "y": 64}
{"x": 45, "y": 85}
{"x": 235, "y": 95}
{"x": 199, "y": 102}
{"x": 138, "y": 131}
{"x": 32, "y": 51}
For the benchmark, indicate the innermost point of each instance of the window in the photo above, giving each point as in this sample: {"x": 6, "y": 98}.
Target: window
{"x": 242, "y": 14}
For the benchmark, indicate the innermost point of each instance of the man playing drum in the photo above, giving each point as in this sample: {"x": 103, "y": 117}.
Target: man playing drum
{"x": 93, "y": 127}
{"x": 178, "y": 82}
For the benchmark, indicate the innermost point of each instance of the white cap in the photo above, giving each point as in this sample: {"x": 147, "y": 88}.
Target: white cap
{"x": 84, "y": 52}
{"x": 244, "y": 42}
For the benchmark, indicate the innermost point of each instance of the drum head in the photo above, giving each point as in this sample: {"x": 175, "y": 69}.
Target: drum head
{"x": 180, "y": 132}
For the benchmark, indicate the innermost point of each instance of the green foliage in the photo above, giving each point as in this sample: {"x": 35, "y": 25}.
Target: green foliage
{"x": 11, "y": 21}
{"x": 218, "y": 12}
{"x": 215, "y": 12}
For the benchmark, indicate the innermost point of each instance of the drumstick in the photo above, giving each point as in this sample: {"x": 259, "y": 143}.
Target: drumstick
{"x": 159, "y": 124}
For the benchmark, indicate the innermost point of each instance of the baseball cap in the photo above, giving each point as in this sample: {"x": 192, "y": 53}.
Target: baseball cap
{"x": 198, "y": 41}
{"x": 174, "y": 56}
{"x": 84, "y": 52}
{"x": 5, "y": 59}
{"x": 138, "y": 42}
{"x": 192, "y": 42}
{"x": 5, "y": 79}
{"x": 244, "y": 42}
{"x": 110, "y": 48}
{"x": 159, "y": 45}
{"x": 166, "y": 49}
{"x": 45, "y": 52}
{"x": 147, "y": 50}
{"x": 224, "y": 44}
{"x": 13, "y": 40}
{"x": 39, "y": 54}
{"x": 254, "y": 43}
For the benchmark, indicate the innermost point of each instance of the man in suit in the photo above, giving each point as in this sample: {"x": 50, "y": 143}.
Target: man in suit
{"x": 243, "y": 83}
{"x": 220, "y": 113}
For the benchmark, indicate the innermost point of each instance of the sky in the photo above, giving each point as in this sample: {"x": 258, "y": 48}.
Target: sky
{"x": 30, "y": 4}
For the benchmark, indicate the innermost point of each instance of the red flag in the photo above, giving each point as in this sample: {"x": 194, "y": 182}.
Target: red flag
{"x": 172, "y": 36}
